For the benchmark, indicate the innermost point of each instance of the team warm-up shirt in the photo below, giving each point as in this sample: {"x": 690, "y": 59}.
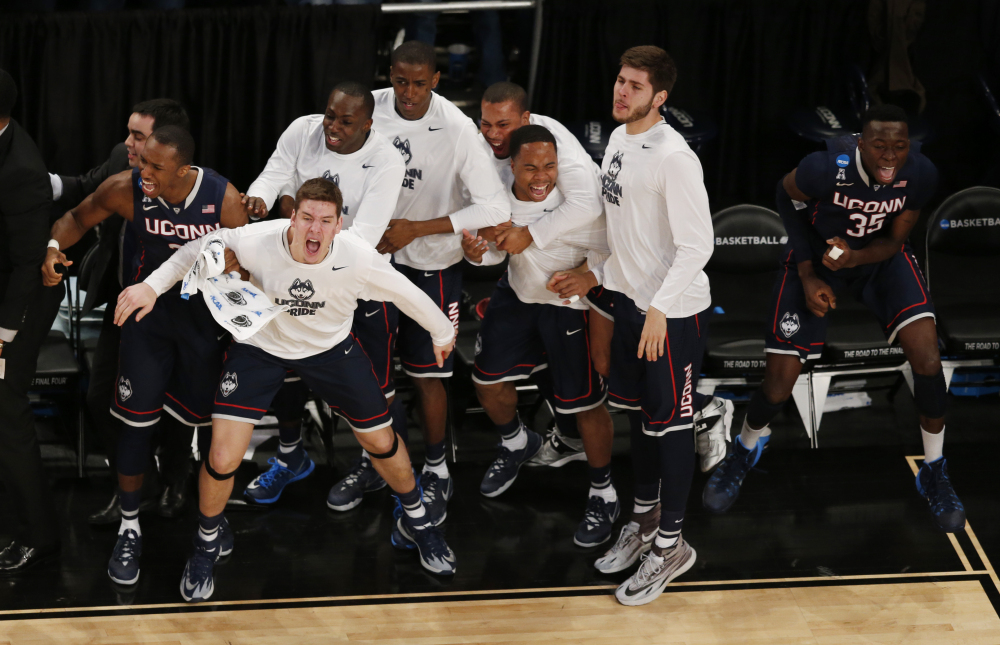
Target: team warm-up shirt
{"x": 578, "y": 181}
{"x": 847, "y": 203}
{"x": 368, "y": 178}
{"x": 161, "y": 227}
{"x": 321, "y": 297}
{"x": 529, "y": 271}
{"x": 444, "y": 161}
{"x": 659, "y": 223}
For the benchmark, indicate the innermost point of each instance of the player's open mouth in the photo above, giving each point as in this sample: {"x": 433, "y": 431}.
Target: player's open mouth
{"x": 538, "y": 190}
{"x": 332, "y": 140}
{"x": 148, "y": 187}
{"x": 620, "y": 106}
{"x": 496, "y": 145}
{"x": 312, "y": 247}
{"x": 407, "y": 106}
{"x": 884, "y": 174}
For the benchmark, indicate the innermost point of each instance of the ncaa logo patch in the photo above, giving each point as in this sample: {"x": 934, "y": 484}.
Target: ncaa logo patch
{"x": 843, "y": 161}
{"x": 228, "y": 384}
{"x": 945, "y": 224}
{"x": 789, "y": 324}
{"x": 124, "y": 389}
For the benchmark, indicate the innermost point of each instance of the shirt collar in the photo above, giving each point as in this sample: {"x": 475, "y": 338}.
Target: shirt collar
{"x": 861, "y": 168}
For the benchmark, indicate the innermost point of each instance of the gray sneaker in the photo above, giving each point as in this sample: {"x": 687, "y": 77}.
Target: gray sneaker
{"x": 558, "y": 450}
{"x": 635, "y": 539}
{"x": 503, "y": 471}
{"x": 711, "y": 431}
{"x": 348, "y": 492}
{"x": 649, "y": 581}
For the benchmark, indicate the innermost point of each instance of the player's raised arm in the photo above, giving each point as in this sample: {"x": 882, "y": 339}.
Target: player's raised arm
{"x": 114, "y": 195}
{"x": 581, "y": 189}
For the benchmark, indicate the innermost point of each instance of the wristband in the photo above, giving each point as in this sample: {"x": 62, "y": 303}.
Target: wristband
{"x": 835, "y": 253}
{"x": 53, "y": 244}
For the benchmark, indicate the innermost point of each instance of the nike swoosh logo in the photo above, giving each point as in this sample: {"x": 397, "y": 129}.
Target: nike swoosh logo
{"x": 366, "y": 166}
{"x": 570, "y": 333}
{"x": 840, "y": 184}
{"x": 189, "y": 587}
{"x": 338, "y": 268}
{"x": 348, "y": 350}
{"x": 221, "y": 337}
{"x": 428, "y": 275}
{"x": 648, "y": 537}
{"x": 547, "y": 210}
{"x": 430, "y": 129}
{"x": 149, "y": 208}
{"x": 645, "y": 147}
{"x": 372, "y": 313}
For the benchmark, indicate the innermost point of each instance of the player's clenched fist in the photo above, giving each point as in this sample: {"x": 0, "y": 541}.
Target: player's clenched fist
{"x": 49, "y": 276}
{"x": 474, "y": 246}
{"x": 819, "y": 296}
{"x": 139, "y": 297}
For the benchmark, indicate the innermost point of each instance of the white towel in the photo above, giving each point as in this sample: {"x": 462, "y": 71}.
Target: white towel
{"x": 238, "y": 306}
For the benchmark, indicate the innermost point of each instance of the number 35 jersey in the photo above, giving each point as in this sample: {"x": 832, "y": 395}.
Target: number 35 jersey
{"x": 849, "y": 204}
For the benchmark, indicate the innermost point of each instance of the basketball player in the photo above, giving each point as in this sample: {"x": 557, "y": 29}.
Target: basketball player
{"x": 326, "y": 273}
{"x": 449, "y": 186}
{"x": 848, "y": 217}
{"x": 341, "y": 146}
{"x": 525, "y": 323}
{"x": 660, "y": 232}
{"x": 170, "y": 359}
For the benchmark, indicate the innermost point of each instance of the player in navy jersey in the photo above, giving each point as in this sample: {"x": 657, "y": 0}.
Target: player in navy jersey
{"x": 169, "y": 359}
{"x": 848, "y": 216}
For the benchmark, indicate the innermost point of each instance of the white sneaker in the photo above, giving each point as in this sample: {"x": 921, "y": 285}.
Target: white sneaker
{"x": 712, "y": 425}
{"x": 558, "y": 450}
{"x": 626, "y": 550}
{"x": 655, "y": 572}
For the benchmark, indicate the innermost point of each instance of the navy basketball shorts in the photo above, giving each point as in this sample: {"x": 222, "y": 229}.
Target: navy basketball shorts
{"x": 416, "y": 350}
{"x": 375, "y": 328}
{"x": 662, "y": 389}
{"x": 602, "y": 301}
{"x": 169, "y": 360}
{"x": 894, "y": 290}
{"x": 517, "y": 337}
{"x": 341, "y": 376}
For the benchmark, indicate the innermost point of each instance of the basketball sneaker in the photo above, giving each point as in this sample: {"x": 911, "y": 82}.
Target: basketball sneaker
{"x": 421, "y": 534}
{"x": 361, "y": 478}
{"x": 435, "y": 495}
{"x": 635, "y": 539}
{"x": 268, "y": 486}
{"x": 711, "y": 431}
{"x": 197, "y": 582}
{"x": 558, "y": 450}
{"x": 658, "y": 568}
{"x": 503, "y": 471}
{"x": 934, "y": 486}
{"x": 598, "y": 520}
{"x": 123, "y": 567}
{"x": 226, "y": 539}
{"x": 723, "y": 486}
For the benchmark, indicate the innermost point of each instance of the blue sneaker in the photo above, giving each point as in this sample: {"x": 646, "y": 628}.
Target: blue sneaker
{"x": 267, "y": 487}
{"x": 435, "y": 554}
{"x": 723, "y": 486}
{"x": 934, "y": 486}
{"x": 361, "y": 478}
{"x": 198, "y": 583}
{"x": 123, "y": 567}
{"x": 598, "y": 520}
{"x": 435, "y": 495}
{"x": 226, "y": 539}
{"x": 503, "y": 471}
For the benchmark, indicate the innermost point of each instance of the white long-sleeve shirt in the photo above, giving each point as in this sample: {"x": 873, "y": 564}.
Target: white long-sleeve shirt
{"x": 321, "y": 297}
{"x": 579, "y": 182}
{"x": 529, "y": 271}
{"x": 444, "y": 162}
{"x": 659, "y": 223}
{"x": 368, "y": 178}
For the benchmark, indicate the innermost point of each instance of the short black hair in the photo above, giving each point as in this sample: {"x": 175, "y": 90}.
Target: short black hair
{"x": 415, "y": 52}
{"x": 164, "y": 112}
{"x": 530, "y": 134}
{"x": 179, "y": 139}
{"x": 506, "y": 91}
{"x": 8, "y": 93}
{"x": 886, "y": 113}
{"x": 357, "y": 90}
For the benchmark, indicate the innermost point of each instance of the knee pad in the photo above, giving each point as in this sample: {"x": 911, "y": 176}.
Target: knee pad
{"x": 931, "y": 394}
{"x": 761, "y": 412}
{"x": 215, "y": 475}
{"x": 392, "y": 451}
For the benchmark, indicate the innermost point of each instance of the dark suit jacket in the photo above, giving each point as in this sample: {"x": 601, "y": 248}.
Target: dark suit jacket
{"x": 25, "y": 202}
{"x": 99, "y": 274}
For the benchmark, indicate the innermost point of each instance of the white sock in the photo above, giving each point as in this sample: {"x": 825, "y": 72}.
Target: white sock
{"x": 664, "y": 542}
{"x": 415, "y": 513}
{"x": 638, "y": 508}
{"x": 933, "y": 445}
{"x": 608, "y": 493}
{"x": 441, "y": 470}
{"x": 518, "y": 441}
{"x": 208, "y": 537}
{"x": 749, "y": 436}
{"x": 130, "y": 523}
{"x": 285, "y": 448}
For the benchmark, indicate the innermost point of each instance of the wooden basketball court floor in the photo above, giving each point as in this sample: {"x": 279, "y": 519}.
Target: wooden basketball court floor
{"x": 952, "y": 606}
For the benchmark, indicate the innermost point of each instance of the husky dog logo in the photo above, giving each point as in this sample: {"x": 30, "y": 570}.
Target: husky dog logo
{"x": 334, "y": 178}
{"x": 404, "y": 149}
{"x": 789, "y": 324}
{"x": 236, "y": 298}
{"x": 301, "y": 290}
{"x": 228, "y": 384}
{"x": 616, "y": 165}
{"x": 241, "y": 321}
{"x": 124, "y": 389}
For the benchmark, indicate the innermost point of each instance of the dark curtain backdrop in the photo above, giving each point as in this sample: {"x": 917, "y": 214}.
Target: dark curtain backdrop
{"x": 748, "y": 63}
{"x": 243, "y": 75}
